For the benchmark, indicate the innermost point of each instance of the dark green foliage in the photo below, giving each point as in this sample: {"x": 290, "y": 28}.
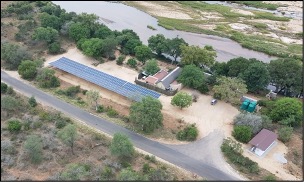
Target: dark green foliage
{"x": 3, "y": 88}
{"x": 92, "y": 47}
{"x": 112, "y": 57}
{"x": 13, "y": 54}
{"x": 20, "y": 8}
{"x": 32, "y": 101}
{"x": 158, "y": 43}
{"x": 109, "y": 46}
{"x": 159, "y": 175}
{"x": 146, "y": 168}
{"x": 181, "y": 99}
{"x": 191, "y": 76}
{"x": 9, "y": 103}
{"x": 174, "y": 47}
{"x": 143, "y": 53}
{"x": 33, "y": 146}
{"x": 242, "y": 133}
{"x": 54, "y": 48}
{"x": 258, "y": 4}
{"x": 285, "y": 108}
{"x": 151, "y": 67}
{"x": 10, "y": 91}
{"x": 203, "y": 88}
{"x": 147, "y": 119}
{"x": 189, "y": 133}
{"x": 121, "y": 146}
{"x": 48, "y": 34}
{"x": 72, "y": 91}
{"x": 14, "y": 125}
{"x": 68, "y": 135}
{"x": 120, "y": 59}
{"x": 129, "y": 47}
{"x": 27, "y": 69}
{"x": 52, "y": 21}
{"x": 125, "y": 164}
{"x": 270, "y": 178}
{"x": 233, "y": 151}
{"x": 132, "y": 62}
{"x": 285, "y": 134}
{"x": 236, "y": 66}
{"x": 100, "y": 109}
{"x": 46, "y": 78}
{"x": 60, "y": 123}
{"x": 112, "y": 113}
{"x": 197, "y": 56}
{"x": 129, "y": 175}
{"x": 78, "y": 31}
{"x": 103, "y": 32}
{"x": 106, "y": 173}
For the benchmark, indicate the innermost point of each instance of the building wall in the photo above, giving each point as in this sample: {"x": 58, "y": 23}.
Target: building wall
{"x": 259, "y": 152}
{"x": 160, "y": 85}
{"x": 176, "y": 86}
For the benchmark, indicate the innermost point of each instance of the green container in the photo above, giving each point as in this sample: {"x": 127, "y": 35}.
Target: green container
{"x": 251, "y": 107}
{"x": 244, "y": 105}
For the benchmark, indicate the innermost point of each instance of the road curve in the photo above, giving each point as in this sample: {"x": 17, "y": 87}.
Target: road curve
{"x": 153, "y": 147}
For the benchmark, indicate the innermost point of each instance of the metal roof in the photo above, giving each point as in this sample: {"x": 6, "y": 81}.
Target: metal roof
{"x": 263, "y": 139}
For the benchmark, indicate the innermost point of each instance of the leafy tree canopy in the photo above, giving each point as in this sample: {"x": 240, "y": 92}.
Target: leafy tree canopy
{"x": 151, "y": 67}
{"x": 191, "y": 76}
{"x": 182, "y": 100}
{"x": 196, "y": 55}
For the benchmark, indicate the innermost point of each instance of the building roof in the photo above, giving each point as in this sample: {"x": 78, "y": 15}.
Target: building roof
{"x": 263, "y": 139}
{"x": 174, "y": 82}
{"x": 171, "y": 77}
{"x": 151, "y": 80}
{"x": 160, "y": 74}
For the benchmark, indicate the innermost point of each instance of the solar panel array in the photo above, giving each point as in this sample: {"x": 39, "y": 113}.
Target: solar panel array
{"x": 122, "y": 87}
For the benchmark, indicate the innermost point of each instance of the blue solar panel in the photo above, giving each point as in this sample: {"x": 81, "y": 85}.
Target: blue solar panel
{"x": 104, "y": 80}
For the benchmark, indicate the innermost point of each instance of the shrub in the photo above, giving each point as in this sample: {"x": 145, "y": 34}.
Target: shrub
{"x": 37, "y": 124}
{"x": 74, "y": 172}
{"x": 112, "y": 57}
{"x": 100, "y": 109}
{"x": 60, "y": 123}
{"x": 242, "y": 133}
{"x": 189, "y": 133}
{"x": 112, "y": 113}
{"x": 84, "y": 92}
{"x": 33, "y": 146}
{"x": 10, "y": 90}
{"x": 32, "y": 101}
{"x": 106, "y": 173}
{"x": 269, "y": 178}
{"x": 153, "y": 159}
{"x": 72, "y": 91}
{"x": 203, "y": 88}
{"x": 146, "y": 168}
{"x": 14, "y": 125}
{"x": 285, "y": 134}
{"x": 121, "y": 146}
{"x": 54, "y": 48}
{"x": 120, "y": 59}
{"x": 3, "y": 88}
{"x": 125, "y": 164}
{"x": 9, "y": 103}
{"x": 132, "y": 62}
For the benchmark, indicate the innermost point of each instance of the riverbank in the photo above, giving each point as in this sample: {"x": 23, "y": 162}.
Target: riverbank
{"x": 255, "y": 30}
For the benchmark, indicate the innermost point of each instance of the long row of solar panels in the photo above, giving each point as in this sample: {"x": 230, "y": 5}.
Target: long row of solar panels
{"x": 104, "y": 80}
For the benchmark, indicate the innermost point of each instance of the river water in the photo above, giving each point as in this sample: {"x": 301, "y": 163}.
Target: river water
{"x": 118, "y": 16}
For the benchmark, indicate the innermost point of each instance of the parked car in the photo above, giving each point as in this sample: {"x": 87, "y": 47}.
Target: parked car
{"x": 213, "y": 102}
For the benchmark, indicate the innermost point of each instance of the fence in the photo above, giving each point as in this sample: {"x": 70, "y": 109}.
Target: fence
{"x": 152, "y": 87}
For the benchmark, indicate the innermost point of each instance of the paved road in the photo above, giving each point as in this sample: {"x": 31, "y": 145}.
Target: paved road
{"x": 165, "y": 152}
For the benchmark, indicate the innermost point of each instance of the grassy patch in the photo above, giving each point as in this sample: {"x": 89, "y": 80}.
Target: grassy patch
{"x": 258, "y": 4}
{"x": 269, "y": 16}
{"x": 150, "y": 27}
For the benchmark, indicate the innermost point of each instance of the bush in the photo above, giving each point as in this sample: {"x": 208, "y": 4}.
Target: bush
{"x": 32, "y": 101}
{"x": 100, "y": 109}
{"x": 146, "y": 168}
{"x": 269, "y": 178}
{"x": 203, "y": 88}
{"x": 10, "y": 90}
{"x": 60, "y": 123}
{"x": 9, "y": 103}
{"x": 14, "y": 125}
{"x": 189, "y": 133}
{"x": 54, "y": 48}
{"x": 72, "y": 91}
{"x": 33, "y": 146}
{"x": 84, "y": 92}
{"x": 242, "y": 133}
{"x": 106, "y": 173}
{"x": 120, "y": 59}
{"x": 3, "y": 88}
{"x": 132, "y": 62}
{"x": 285, "y": 134}
{"x": 112, "y": 113}
{"x": 74, "y": 172}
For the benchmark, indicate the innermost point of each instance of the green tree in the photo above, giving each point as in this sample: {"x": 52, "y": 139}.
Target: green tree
{"x": 151, "y": 67}
{"x": 236, "y": 66}
{"x": 78, "y": 31}
{"x": 189, "y": 133}
{"x": 3, "y": 88}
{"x": 256, "y": 76}
{"x": 220, "y": 69}
{"x": 196, "y": 55}
{"x": 121, "y": 146}
{"x": 242, "y": 133}
{"x": 132, "y": 62}
{"x": 46, "y": 34}
{"x": 147, "y": 114}
{"x": 182, "y": 100}
{"x": 143, "y": 53}
{"x": 54, "y": 48}
{"x": 191, "y": 76}
{"x": 33, "y": 146}
{"x": 158, "y": 43}
{"x": 109, "y": 46}
{"x": 174, "y": 47}
{"x": 52, "y": 21}
{"x": 92, "y": 47}
{"x": 285, "y": 133}
{"x": 32, "y": 101}
{"x": 129, "y": 175}
{"x": 93, "y": 96}
{"x": 103, "y": 32}
{"x": 46, "y": 78}
{"x": 230, "y": 89}
{"x": 286, "y": 74}
{"x": 68, "y": 135}
{"x": 9, "y": 103}
{"x": 14, "y": 125}
{"x": 27, "y": 69}
{"x": 13, "y": 54}
{"x": 285, "y": 108}
{"x": 120, "y": 59}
